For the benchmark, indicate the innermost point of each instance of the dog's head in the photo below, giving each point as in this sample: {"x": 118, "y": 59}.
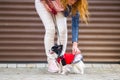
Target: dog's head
{"x": 57, "y": 49}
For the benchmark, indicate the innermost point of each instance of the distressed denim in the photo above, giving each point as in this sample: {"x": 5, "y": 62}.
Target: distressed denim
{"x": 75, "y": 27}
{"x": 67, "y": 11}
{"x": 75, "y": 23}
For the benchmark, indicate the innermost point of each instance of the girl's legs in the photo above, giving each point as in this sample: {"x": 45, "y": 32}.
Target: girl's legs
{"x": 49, "y": 34}
{"x": 49, "y": 25}
{"x": 62, "y": 29}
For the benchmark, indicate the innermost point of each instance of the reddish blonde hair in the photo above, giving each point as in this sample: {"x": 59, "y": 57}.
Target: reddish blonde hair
{"x": 81, "y": 6}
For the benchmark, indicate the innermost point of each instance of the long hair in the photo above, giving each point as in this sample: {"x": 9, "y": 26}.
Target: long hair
{"x": 81, "y": 6}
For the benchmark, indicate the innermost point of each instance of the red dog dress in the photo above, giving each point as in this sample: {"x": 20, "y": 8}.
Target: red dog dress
{"x": 67, "y": 58}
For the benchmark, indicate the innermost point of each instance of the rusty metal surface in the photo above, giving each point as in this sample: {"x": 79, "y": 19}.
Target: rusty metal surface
{"x": 22, "y": 32}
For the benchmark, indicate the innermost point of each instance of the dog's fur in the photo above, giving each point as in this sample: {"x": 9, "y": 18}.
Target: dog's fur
{"x": 77, "y": 65}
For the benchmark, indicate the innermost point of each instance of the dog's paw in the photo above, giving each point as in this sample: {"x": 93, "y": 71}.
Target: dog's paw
{"x": 59, "y": 71}
{"x": 63, "y": 72}
{"x": 82, "y": 72}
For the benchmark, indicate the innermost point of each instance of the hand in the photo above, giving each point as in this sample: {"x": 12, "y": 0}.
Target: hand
{"x": 46, "y": 6}
{"x": 75, "y": 49}
{"x": 50, "y": 8}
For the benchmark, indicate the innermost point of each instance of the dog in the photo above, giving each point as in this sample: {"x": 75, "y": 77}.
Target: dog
{"x": 67, "y": 63}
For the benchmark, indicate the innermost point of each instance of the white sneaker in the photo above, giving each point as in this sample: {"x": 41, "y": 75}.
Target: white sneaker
{"x": 52, "y": 66}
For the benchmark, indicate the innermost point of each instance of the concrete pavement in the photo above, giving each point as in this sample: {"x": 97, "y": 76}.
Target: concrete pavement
{"x": 92, "y": 72}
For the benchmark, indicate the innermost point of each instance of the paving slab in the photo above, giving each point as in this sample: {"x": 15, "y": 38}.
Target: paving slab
{"x": 41, "y": 73}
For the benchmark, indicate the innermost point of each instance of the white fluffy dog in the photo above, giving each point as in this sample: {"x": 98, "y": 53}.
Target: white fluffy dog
{"x": 76, "y": 66}
{"x": 67, "y": 62}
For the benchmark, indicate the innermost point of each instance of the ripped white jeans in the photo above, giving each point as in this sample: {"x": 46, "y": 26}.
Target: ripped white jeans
{"x": 49, "y": 25}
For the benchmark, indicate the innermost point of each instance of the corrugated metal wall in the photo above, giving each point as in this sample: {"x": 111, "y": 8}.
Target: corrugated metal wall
{"x": 22, "y": 32}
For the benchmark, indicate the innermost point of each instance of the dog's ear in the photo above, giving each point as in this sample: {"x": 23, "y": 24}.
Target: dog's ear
{"x": 57, "y": 49}
{"x": 54, "y": 48}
